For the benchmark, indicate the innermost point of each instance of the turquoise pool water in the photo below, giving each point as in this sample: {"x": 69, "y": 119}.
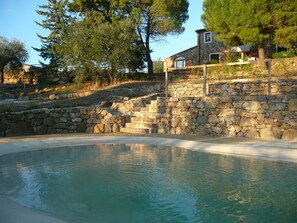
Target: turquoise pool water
{"x": 140, "y": 183}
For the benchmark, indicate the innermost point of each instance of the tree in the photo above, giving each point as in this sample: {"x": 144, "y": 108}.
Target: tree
{"x": 258, "y": 23}
{"x": 12, "y": 55}
{"x": 286, "y": 20}
{"x": 158, "y": 66}
{"x": 152, "y": 19}
{"x": 158, "y": 18}
{"x": 116, "y": 49}
{"x": 56, "y": 21}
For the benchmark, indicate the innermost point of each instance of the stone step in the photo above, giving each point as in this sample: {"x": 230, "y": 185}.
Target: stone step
{"x": 145, "y": 109}
{"x": 141, "y": 125}
{"x": 146, "y": 114}
{"x": 143, "y": 120}
{"x": 139, "y": 130}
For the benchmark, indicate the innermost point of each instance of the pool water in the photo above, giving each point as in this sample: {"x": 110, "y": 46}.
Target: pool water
{"x": 141, "y": 183}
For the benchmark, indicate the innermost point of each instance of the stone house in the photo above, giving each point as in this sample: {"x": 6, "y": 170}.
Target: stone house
{"x": 210, "y": 49}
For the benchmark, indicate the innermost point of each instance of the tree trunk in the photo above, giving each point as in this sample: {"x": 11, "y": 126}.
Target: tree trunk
{"x": 2, "y": 75}
{"x": 261, "y": 52}
{"x": 150, "y": 67}
{"x": 148, "y": 50}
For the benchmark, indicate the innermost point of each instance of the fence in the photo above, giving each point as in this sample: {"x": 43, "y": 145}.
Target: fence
{"x": 204, "y": 71}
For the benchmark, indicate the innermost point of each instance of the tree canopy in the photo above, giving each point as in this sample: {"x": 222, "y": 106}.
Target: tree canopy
{"x": 258, "y": 23}
{"x": 141, "y": 20}
{"x": 56, "y": 20}
{"x": 12, "y": 55}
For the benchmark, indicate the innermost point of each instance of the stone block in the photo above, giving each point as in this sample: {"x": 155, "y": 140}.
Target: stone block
{"x": 60, "y": 125}
{"x": 48, "y": 121}
{"x": 202, "y": 120}
{"x": 277, "y": 106}
{"x": 290, "y": 134}
{"x": 292, "y": 105}
{"x": 116, "y": 127}
{"x": 81, "y": 127}
{"x": 99, "y": 128}
{"x": 107, "y": 128}
{"x": 251, "y": 105}
{"x": 41, "y": 130}
{"x": 245, "y": 122}
{"x": 2, "y": 129}
{"x": 267, "y": 133}
{"x": 213, "y": 119}
{"x": 252, "y": 133}
{"x": 19, "y": 128}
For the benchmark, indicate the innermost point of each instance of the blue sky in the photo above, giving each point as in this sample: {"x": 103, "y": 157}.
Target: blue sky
{"x": 17, "y": 21}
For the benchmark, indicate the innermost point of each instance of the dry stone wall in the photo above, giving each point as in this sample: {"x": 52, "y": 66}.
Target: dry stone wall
{"x": 229, "y": 88}
{"x": 64, "y": 120}
{"x": 266, "y": 117}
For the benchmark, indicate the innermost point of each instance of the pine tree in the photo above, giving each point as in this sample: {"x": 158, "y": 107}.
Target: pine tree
{"x": 254, "y": 22}
{"x": 56, "y": 21}
{"x": 152, "y": 19}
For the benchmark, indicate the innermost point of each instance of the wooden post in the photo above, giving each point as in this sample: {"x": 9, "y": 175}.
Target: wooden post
{"x": 204, "y": 80}
{"x": 166, "y": 83}
{"x": 269, "y": 76}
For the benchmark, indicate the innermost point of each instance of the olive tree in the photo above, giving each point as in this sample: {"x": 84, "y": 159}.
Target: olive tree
{"x": 12, "y": 55}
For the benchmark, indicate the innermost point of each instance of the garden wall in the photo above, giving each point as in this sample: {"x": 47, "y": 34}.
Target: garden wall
{"x": 266, "y": 117}
{"x": 63, "y": 120}
{"x": 231, "y": 88}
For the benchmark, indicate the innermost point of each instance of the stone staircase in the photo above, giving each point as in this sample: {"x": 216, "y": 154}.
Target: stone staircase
{"x": 146, "y": 120}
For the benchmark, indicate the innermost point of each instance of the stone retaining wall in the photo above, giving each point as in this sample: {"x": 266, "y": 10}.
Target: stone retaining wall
{"x": 266, "y": 117}
{"x": 230, "y": 88}
{"x": 65, "y": 120}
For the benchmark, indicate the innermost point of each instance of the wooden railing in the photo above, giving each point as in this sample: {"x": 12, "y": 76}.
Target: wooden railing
{"x": 205, "y": 66}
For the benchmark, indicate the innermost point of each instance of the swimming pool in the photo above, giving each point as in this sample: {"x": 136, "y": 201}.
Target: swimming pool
{"x": 147, "y": 183}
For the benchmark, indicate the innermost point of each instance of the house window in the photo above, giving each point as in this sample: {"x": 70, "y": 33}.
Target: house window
{"x": 215, "y": 57}
{"x": 207, "y": 37}
{"x": 180, "y": 62}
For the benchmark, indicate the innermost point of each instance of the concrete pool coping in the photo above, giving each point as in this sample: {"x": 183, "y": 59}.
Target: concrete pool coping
{"x": 11, "y": 212}
{"x": 278, "y": 150}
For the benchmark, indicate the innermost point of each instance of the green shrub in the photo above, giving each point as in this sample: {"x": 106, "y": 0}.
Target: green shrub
{"x": 284, "y": 54}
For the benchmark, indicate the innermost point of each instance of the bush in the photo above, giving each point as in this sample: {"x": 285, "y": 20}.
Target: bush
{"x": 284, "y": 54}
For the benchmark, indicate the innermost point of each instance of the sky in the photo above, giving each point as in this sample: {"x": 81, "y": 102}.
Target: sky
{"x": 17, "y": 22}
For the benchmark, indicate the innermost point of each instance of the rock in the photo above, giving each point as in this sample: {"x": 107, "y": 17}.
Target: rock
{"x": 48, "y": 121}
{"x": 251, "y": 105}
{"x": 267, "y": 133}
{"x": 60, "y": 126}
{"x": 252, "y": 133}
{"x": 116, "y": 128}
{"x": 248, "y": 122}
{"x": 99, "y": 128}
{"x": 52, "y": 97}
{"x": 277, "y": 132}
{"x": 19, "y": 128}
{"x": 213, "y": 119}
{"x": 81, "y": 127}
{"x": 277, "y": 106}
{"x": 202, "y": 119}
{"x": 106, "y": 104}
{"x": 290, "y": 134}
{"x": 2, "y": 129}
{"x": 107, "y": 128}
{"x": 41, "y": 130}
{"x": 292, "y": 105}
